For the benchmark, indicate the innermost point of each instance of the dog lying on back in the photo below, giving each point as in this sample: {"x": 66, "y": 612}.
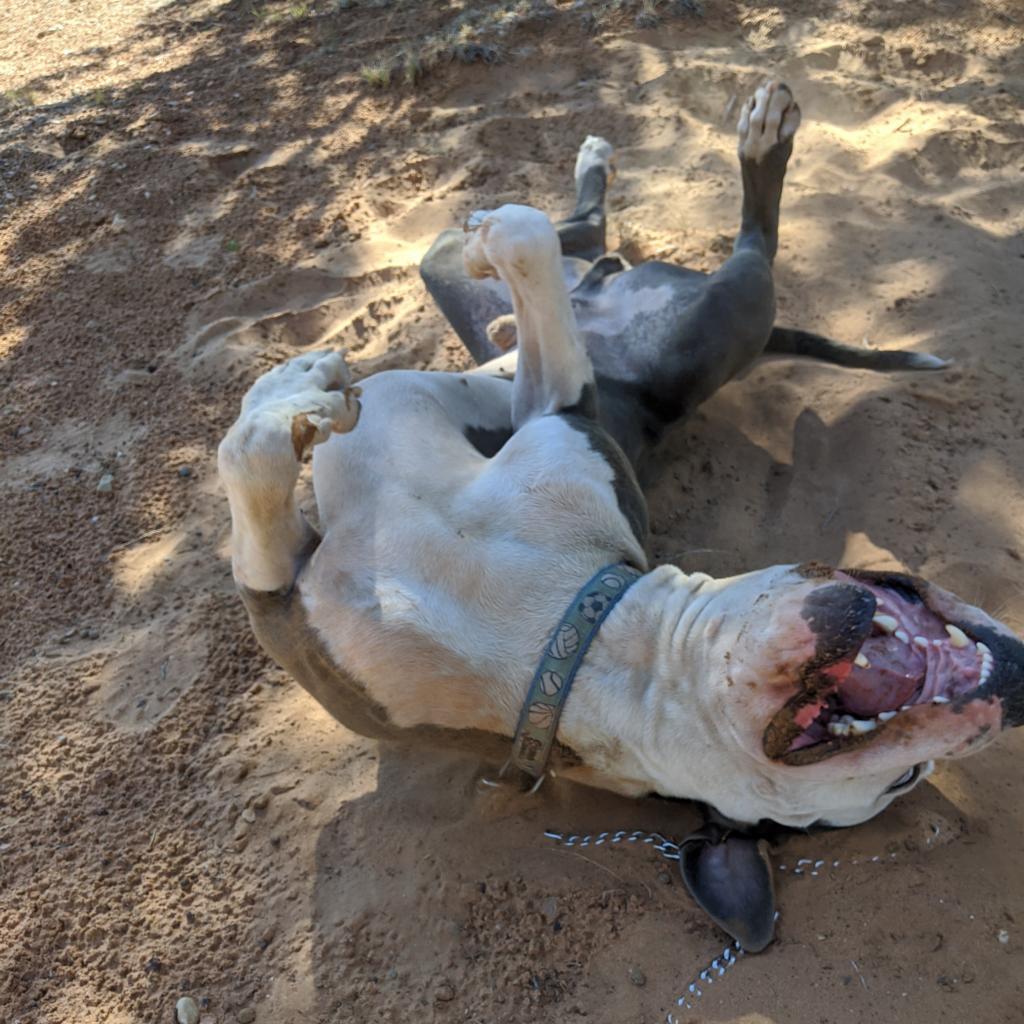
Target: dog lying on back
{"x": 461, "y": 512}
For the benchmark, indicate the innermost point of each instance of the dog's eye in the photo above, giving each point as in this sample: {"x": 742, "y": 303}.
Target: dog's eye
{"x": 908, "y": 778}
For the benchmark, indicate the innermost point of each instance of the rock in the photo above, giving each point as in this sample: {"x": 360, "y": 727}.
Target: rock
{"x": 184, "y": 471}
{"x": 1003, "y": 936}
{"x": 549, "y": 908}
{"x": 23, "y": 431}
{"x": 186, "y": 1011}
{"x": 246, "y": 1015}
{"x": 637, "y": 977}
{"x": 444, "y": 993}
{"x": 118, "y": 223}
{"x": 664, "y": 877}
{"x": 249, "y": 815}
{"x": 106, "y": 484}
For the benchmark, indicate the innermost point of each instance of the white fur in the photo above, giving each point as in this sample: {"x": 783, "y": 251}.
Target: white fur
{"x": 770, "y": 116}
{"x": 441, "y": 573}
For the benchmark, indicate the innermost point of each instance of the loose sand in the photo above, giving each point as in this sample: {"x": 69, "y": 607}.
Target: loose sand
{"x": 194, "y": 191}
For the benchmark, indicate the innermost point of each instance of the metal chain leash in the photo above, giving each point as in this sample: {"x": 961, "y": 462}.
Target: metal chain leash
{"x": 668, "y": 849}
{"x": 806, "y": 866}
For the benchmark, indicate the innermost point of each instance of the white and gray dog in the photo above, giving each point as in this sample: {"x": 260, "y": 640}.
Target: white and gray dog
{"x": 461, "y": 512}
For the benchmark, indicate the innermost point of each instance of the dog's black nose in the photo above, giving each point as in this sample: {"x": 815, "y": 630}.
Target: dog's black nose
{"x": 1006, "y": 681}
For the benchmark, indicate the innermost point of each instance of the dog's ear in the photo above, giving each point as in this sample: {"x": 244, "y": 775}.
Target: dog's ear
{"x": 730, "y": 877}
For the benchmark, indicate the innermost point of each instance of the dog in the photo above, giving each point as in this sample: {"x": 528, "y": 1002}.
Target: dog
{"x": 461, "y": 512}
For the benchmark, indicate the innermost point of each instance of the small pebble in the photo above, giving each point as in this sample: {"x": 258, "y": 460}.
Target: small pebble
{"x": 246, "y": 1016}
{"x": 249, "y": 815}
{"x": 184, "y": 471}
{"x": 23, "y": 431}
{"x": 549, "y": 908}
{"x": 444, "y": 993}
{"x": 186, "y": 1011}
{"x": 664, "y": 877}
{"x": 1003, "y": 936}
{"x": 637, "y": 977}
{"x": 106, "y": 484}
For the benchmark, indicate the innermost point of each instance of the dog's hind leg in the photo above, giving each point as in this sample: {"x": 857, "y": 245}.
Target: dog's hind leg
{"x": 471, "y": 306}
{"x": 553, "y": 373}
{"x": 582, "y": 233}
{"x": 727, "y": 319}
{"x": 285, "y": 413}
{"x": 767, "y": 125}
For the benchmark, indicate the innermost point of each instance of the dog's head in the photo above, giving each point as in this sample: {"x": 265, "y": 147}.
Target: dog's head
{"x": 832, "y": 692}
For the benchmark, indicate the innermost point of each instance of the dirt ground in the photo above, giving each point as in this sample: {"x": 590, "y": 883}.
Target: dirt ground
{"x": 192, "y": 191}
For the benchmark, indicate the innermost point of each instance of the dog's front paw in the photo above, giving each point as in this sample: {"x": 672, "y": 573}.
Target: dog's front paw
{"x": 768, "y": 119}
{"x": 285, "y": 414}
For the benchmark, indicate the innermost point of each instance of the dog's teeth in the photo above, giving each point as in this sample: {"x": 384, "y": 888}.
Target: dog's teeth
{"x": 987, "y": 664}
{"x": 885, "y": 716}
{"x": 920, "y": 641}
{"x": 886, "y": 622}
{"x": 902, "y": 634}
{"x": 861, "y": 661}
{"x": 940, "y": 699}
{"x": 860, "y": 726}
{"x": 838, "y": 728}
{"x": 906, "y": 707}
{"x": 983, "y": 648}
{"x": 957, "y": 637}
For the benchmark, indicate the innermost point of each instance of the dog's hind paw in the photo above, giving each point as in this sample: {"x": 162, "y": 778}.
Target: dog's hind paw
{"x": 769, "y": 118}
{"x": 595, "y": 152}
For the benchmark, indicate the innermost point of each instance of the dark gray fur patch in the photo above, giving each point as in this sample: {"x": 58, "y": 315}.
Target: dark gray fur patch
{"x": 628, "y": 495}
{"x": 586, "y": 404}
{"x": 487, "y": 441}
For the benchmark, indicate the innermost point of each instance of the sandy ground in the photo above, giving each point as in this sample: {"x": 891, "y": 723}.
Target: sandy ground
{"x": 193, "y": 191}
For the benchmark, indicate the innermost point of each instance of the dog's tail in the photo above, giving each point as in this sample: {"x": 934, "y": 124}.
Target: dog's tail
{"x": 792, "y": 342}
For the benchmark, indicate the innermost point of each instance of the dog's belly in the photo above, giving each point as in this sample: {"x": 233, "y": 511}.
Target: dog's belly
{"x": 630, "y": 319}
{"x": 441, "y": 573}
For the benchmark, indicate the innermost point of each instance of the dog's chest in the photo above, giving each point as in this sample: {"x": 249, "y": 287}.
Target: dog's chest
{"x": 452, "y": 571}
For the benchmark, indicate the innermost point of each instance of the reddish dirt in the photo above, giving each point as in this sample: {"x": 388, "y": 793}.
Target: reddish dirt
{"x": 193, "y": 191}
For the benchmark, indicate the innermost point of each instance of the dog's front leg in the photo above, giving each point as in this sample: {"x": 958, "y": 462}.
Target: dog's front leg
{"x": 520, "y": 245}
{"x": 285, "y": 413}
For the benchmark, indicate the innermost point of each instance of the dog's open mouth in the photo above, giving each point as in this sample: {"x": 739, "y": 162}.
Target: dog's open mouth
{"x": 910, "y": 658}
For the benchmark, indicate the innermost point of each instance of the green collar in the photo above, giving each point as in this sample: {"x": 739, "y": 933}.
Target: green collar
{"x": 563, "y": 655}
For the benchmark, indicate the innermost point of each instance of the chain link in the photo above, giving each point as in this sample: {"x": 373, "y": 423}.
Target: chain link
{"x": 664, "y": 846}
{"x": 670, "y": 851}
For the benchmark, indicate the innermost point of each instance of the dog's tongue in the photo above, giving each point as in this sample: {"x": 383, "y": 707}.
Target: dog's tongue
{"x": 892, "y": 678}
